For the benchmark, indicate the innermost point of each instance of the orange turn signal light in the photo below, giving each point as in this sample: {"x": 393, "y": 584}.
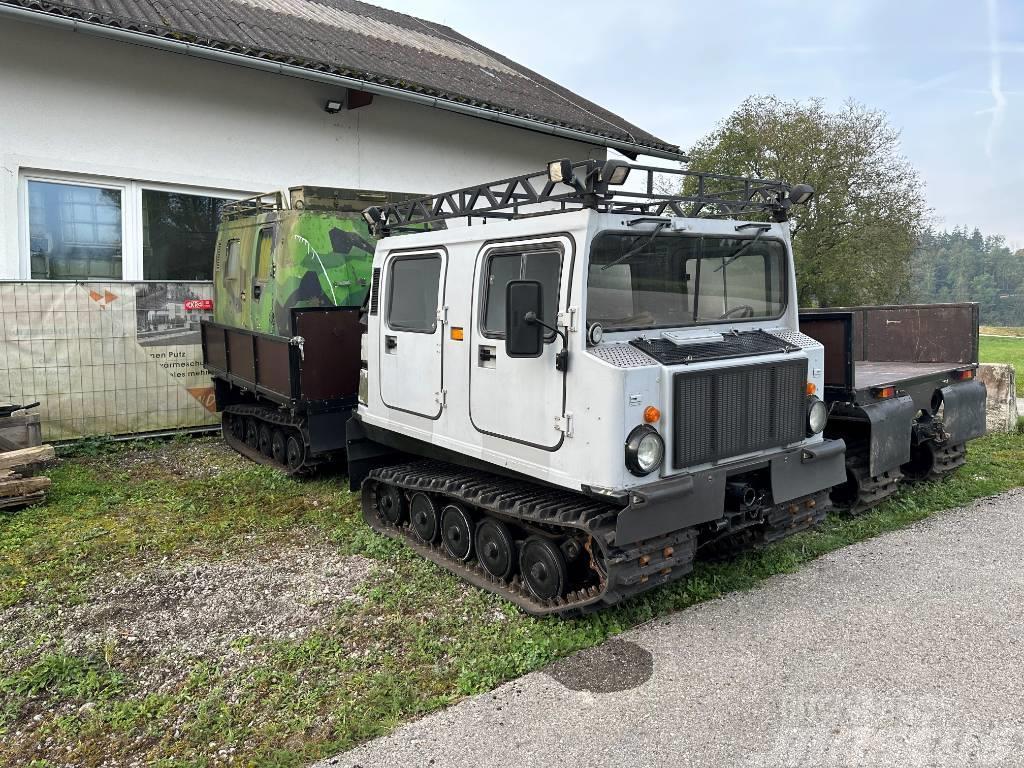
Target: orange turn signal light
{"x": 883, "y": 393}
{"x": 457, "y": 334}
{"x": 811, "y": 387}
{"x": 964, "y": 375}
{"x": 651, "y": 414}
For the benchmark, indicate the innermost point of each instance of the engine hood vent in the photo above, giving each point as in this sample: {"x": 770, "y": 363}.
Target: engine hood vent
{"x": 729, "y": 346}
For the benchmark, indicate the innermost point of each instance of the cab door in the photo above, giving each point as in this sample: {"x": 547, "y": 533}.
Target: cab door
{"x": 412, "y": 331}
{"x": 518, "y": 399}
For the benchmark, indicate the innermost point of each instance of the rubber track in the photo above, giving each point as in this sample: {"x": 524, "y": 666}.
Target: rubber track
{"x": 626, "y": 570}
{"x": 872, "y": 490}
{"x": 271, "y": 416}
{"x": 779, "y": 522}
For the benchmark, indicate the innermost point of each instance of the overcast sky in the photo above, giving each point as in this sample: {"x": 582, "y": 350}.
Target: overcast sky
{"x": 949, "y": 73}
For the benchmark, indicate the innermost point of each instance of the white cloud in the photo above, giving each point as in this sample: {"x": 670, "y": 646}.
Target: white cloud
{"x": 995, "y": 78}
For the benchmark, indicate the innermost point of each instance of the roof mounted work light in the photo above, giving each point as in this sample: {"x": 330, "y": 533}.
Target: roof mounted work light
{"x": 560, "y": 171}
{"x": 614, "y": 172}
{"x": 801, "y": 193}
{"x": 371, "y": 215}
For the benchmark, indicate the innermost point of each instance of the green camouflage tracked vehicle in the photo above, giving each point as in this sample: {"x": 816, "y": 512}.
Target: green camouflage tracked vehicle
{"x": 291, "y": 272}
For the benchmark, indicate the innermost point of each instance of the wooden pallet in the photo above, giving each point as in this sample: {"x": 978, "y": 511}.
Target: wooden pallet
{"x": 21, "y": 483}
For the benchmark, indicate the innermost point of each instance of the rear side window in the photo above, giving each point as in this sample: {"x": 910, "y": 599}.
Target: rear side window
{"x": 231, "y": 264}
{"x": 413, "y": 293}
{"x": 545, "y": 266}
{"x": 264, "y": 254}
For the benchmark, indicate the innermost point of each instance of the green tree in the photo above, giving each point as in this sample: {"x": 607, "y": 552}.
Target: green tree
{"x": 853, "y": 243}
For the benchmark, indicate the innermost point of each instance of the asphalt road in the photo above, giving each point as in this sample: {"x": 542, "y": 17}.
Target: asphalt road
{"x": 905, "y": 650}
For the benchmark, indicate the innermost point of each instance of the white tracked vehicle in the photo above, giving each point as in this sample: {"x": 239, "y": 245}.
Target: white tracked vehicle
{"x": 564, "y": 400}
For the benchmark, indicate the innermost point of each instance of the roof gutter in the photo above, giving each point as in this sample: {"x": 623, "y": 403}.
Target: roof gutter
{"x": 288, "y": 70}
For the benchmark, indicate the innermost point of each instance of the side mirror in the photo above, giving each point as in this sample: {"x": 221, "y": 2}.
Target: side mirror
{"x": 524, "y": 336}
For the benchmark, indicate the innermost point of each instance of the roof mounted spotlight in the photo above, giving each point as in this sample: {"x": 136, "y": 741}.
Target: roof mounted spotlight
{"x": 560, "y": 171}
{"x": 333, "y": 106}
{"x": 614, "y": 172}
{"x": 372, "y": 215}
{"x": 801, "y": 194}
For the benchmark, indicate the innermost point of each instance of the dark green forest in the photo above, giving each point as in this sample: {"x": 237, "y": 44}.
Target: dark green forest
{"x": 965, "y": 265}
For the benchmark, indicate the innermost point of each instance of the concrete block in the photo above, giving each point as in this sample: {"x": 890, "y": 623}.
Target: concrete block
{"x": 1001, "y": 382}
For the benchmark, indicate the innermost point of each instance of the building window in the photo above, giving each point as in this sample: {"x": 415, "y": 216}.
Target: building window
{"x": 179, "y": 234}
{"x": 414, "y": 294}
{"x": 77, "y": 227}
{"x": 75, "y": 231}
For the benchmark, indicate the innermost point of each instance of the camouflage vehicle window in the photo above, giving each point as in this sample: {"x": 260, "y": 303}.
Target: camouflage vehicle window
{"x": 264, "y": 254}
{"x": 231, "y": 267}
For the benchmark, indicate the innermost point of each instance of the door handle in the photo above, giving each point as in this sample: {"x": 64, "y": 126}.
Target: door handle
{"x": 486, "y": 354}
{"x": 256, "y": 291}
{"x": 390, "y": 343}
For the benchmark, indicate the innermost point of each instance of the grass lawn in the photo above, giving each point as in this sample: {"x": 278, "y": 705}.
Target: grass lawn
{"x": 145, "y": 519}
{"x": 1005, "y": 350}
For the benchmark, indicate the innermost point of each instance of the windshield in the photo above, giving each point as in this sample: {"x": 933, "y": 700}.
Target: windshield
{"x": 679, "y": 280}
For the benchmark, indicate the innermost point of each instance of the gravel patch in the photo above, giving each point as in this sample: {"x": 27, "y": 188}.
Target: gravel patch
{"x": 170, "y": 614}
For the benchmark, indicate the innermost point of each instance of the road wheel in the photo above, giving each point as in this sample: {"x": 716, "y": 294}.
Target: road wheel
{"x": 457, "y": 532}
{"x": 264, "y": 436}
{"x": 425, "y": 521}
{"x": 295, "y": 452}
{"x": 278, "y": 447}
{"x": 252, "y": 433}
{"x": 495, "y": 548}
{"x": 543, "y": 568}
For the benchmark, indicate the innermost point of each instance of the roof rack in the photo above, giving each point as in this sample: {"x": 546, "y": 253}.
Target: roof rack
{"x": 596, "y": 185}
{"x": 251, "y": 206}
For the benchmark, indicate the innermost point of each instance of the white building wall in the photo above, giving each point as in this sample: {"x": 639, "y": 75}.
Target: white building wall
{"x": 72, "y": 103}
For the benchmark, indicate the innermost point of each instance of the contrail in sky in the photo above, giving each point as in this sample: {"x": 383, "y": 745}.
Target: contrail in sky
{"x": 995, "y": 79}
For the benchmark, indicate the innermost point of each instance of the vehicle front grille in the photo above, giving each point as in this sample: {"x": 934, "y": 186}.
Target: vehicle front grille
{"x": 739, "y": 344}
{"x": 733, "y": 411}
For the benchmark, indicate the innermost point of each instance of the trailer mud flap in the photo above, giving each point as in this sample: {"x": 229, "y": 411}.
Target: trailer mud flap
{"x": 808, "y": 470}
{"x": 964, "y": 416}
{"x": 892, "y": 422}
{"x": 671, "y": 505}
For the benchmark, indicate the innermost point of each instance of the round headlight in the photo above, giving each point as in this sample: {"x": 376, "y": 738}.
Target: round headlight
{"x": 645, "y": 450}
{"x": 817, "y": 416}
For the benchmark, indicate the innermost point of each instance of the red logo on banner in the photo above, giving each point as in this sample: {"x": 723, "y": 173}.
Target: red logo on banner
{"x": 192, "y": 305}
{"x": 205, "y": 397}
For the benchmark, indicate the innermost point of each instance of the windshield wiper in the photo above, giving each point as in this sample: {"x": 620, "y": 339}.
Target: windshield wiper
{"x": 761, "y": 229}
{"x": 636, "y": 249}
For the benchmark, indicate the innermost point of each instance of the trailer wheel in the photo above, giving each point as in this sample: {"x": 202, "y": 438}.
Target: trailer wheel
{"x": 264, "y": 436}
{"x": 278, "y": 448}
{"x": 425, "y": 521}
{"x": 238, "y": 427}
{"x": 543, "y": 568}
{"x": 495, "y": 548}
{"x": 457, "y": 532}
{"x": 295, "y": 452}
{"x": 922, "y": 462}
{"x": 252, "y": 436}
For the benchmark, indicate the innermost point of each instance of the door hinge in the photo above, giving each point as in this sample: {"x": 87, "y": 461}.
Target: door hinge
{"x": 441, "y": 398}
{"x": 442, "y": 315}
{"x": 564, "y": 424}
{"x": 568, "y": 319}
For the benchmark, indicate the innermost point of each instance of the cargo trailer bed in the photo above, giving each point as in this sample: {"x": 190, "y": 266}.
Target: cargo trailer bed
{"x": 869, "y": 374}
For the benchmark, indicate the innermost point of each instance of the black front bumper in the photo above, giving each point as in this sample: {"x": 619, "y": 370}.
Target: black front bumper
{"x": 694, "y": 498}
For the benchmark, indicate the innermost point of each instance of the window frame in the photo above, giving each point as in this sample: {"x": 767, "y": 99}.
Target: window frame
{"x": 390, "y": 274}
{"x": 783, "y": 277}
{"x": 532, "y": 246}
{"x": 232, "y": 275}
{"x": 264, "y": 232}
{"x": 131, "y": 218}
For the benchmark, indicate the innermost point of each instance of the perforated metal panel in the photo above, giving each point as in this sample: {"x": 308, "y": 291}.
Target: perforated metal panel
{"x": 621, "y": 355}
{"x": 375, "y": 292}
{"x": 801, "y": 340}
{"x": 733, "y": 411}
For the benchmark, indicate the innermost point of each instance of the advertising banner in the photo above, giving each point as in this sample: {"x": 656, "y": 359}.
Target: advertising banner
{"x": 106, "y": 358}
